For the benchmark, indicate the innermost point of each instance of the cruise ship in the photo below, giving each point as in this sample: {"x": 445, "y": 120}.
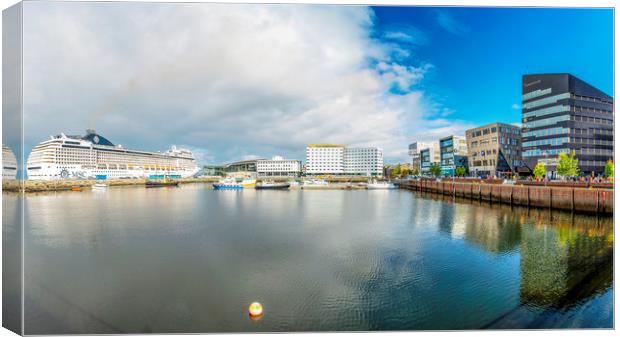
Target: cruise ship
{"x": 94, "y": 157}
{"x": 9, "y": 164}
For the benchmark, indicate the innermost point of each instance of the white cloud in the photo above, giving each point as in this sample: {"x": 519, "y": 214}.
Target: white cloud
{"x": 447, "y": 21}
{"x": 228, "y": 81}
{"x": 407, "y": 34}
{"x": 516, "y": 106}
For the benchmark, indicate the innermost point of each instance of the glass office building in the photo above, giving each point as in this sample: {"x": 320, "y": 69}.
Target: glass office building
{"x": 452, "y": 154}
{"x": 563, "y": 113}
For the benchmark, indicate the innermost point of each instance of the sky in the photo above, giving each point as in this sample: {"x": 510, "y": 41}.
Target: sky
{"x": 233, "y": 82}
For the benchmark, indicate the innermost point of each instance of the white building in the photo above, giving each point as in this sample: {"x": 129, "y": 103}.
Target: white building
{"x": 278, "y": 166}
{"x": 429, "y": 156}
{"x": 414, "y": 152}
{"x": 367, "y": 161}
{"x": 331, "y": 159}
{"x": 324, "y": 159}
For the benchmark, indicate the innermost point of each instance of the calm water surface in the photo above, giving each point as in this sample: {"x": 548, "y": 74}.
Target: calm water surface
{"x": 191, "y": 259}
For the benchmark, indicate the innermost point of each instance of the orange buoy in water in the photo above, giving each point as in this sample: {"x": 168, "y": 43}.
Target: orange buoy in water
{"x": 255, "y": 309}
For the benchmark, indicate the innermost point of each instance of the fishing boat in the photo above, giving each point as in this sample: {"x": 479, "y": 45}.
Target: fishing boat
{"x": 227, "y": 184}
{"x": 270, "y": 185}
{"x": 162, "y": 182}
{"x": 380, "y": 185}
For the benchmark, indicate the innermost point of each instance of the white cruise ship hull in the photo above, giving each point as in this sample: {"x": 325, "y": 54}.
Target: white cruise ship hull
{"x": 69, "y": 172}
{"x": 94, "y": 157}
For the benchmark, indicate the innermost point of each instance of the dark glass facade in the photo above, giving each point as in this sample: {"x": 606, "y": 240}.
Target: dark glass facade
{"x": 563, "y": 113}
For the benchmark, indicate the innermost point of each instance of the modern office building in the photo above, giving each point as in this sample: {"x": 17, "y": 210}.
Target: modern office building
{"x": 278, "y": 167}
{"x": 563, "y": 113}
{"x": 414, "y": 153}
{"x": 363, "y": 161}
{"x": 429, "y": 156}
{"x": 452, "y": 154}
{"x": 493, "y": 149}
{"x": 213, "y": 170}
{"x": 332, "y": 159}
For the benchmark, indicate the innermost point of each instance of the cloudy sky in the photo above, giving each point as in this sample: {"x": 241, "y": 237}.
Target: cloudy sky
{"x": 239, "y": 81}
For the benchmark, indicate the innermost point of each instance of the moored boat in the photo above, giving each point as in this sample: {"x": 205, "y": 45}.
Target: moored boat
{"x": 315, "y": 182}
{"x": 380, "y": 185}
{"x": 248, "y": 182}
{"x": 270, "y": 185}
{"x": 99, "y": 186}
{"x": 227, "y": 184}
{"x": 162, "y": 182}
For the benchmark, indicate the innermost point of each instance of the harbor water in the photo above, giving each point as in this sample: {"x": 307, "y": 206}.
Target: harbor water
{"x": 191, "y": 259}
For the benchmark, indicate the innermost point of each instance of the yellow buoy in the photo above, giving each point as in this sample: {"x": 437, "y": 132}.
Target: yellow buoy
{"x": 255, "y": 309}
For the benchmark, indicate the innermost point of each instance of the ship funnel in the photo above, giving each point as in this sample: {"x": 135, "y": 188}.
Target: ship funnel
{"x": 90, "y": 131}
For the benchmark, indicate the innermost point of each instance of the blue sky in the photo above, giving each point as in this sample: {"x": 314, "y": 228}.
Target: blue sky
{"x": 480, "y": 54}
{"x": 238, "y": 81}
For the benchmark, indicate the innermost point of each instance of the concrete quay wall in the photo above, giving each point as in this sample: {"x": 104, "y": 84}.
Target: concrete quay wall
{"x": 563, "y": 198}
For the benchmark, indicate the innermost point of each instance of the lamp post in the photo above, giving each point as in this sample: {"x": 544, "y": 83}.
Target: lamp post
{"x": 546, "y": 161}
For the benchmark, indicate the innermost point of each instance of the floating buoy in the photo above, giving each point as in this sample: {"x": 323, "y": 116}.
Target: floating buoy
{"x": 255, "y": 309}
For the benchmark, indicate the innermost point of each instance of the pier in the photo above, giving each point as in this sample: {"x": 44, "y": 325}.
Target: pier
{"x": 588, "y": 200}
{"x": 66, "y": 185}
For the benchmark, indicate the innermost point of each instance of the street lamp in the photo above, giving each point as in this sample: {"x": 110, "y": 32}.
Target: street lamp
{"x": 546, "y": 162}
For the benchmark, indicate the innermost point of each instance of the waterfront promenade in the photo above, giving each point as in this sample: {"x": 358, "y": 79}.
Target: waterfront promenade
{"x": 579, "y": 199}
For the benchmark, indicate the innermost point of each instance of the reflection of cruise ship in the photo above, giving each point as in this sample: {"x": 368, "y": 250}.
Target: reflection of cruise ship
{"x": 9, "y": 164}
{"x": 93, "y": 156}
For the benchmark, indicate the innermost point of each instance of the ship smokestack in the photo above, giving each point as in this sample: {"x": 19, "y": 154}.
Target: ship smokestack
{"x": 90, "y": 131}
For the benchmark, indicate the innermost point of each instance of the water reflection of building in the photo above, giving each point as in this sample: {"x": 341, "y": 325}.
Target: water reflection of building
{"x": 497, "y": 233}
{"x": 493, "y": 231}
{"x": 565, "y": 257}
{"x": 564, "y": 261}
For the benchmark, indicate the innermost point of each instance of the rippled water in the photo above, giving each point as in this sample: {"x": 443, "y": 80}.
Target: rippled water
{"x": 191, "y": 259}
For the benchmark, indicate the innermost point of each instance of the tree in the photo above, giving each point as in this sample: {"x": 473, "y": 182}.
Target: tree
{"x": 609, "y": 169}
{"x": 435, "y": 169}
{"x": 540, "y": 170}
{"x": 415, "y": 171}
{"x": 568, "y": 165}
{"x": 395, "y": 171}
{"x": 460, "y": 171}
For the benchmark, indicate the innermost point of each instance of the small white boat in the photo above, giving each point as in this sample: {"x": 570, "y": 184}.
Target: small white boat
{"x": 315, "y": 182}
{"x": 99, "y": 186}
{"x": 380, "y": 185}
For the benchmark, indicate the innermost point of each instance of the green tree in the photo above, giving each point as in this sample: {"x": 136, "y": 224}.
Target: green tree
{"x": 415, "y": 171}
{"x": 460, "y": 171}
{"x": 568, "y": 165}
{"x": 395, "y": 171}
{"x": 540, "y": 170}
{"x": 435, "y": 169}
{"x": 609, "y": 169}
